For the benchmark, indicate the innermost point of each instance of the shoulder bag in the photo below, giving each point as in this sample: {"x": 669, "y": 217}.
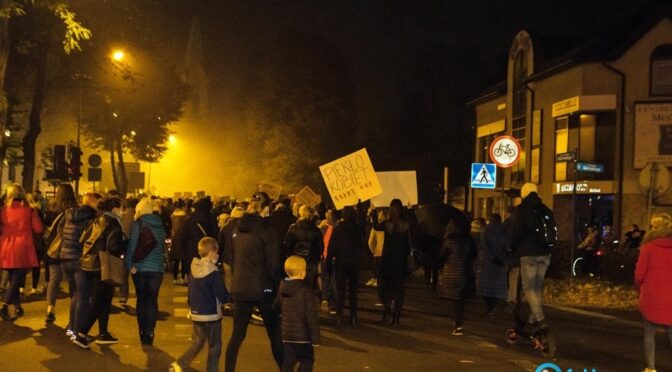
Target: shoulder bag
{"x": 146, "y": 243}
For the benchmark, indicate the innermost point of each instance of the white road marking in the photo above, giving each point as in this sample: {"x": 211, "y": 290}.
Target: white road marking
{"x": 593, "y": 314}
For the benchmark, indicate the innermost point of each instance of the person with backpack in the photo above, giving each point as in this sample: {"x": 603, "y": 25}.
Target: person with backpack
{"x": 198, "y": 225}
{"x": 533, "y": 235}
{"x": 144, "y": 259}
{"x": 304, "y": 239}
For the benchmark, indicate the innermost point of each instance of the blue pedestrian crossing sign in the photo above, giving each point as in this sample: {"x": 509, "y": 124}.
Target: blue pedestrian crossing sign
{"x": 483, "y": 176}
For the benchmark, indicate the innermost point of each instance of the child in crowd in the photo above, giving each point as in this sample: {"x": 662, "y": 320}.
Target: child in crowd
{"x": 206, "y": 296}
{"x": 300, "y": 324}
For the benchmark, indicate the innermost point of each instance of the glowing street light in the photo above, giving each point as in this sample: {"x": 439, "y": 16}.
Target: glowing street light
{"x": 133, "y": 133}
{"x": 172, "y": 139}
{"x": 118, "y": 55}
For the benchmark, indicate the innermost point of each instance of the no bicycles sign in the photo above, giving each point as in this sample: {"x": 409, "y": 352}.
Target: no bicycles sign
{"x": 505, "y": 151}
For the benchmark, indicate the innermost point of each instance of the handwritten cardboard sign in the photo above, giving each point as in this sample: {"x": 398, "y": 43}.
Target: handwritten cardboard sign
{"x": 307, "y": 197}
{"x": 272, "y": 189}
{"x": 350, "y": 179}
{"x": 400, "y": 185}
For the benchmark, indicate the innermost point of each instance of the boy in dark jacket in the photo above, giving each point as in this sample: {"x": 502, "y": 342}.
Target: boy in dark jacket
{"x": 300, "y": 325}
{"x": 206, "y": 295}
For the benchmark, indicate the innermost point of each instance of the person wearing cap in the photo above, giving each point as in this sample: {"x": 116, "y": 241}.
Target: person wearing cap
{"x": 535, "y": 257}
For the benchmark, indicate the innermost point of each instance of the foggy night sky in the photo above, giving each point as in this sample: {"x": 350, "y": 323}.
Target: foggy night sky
{"x": 413, "y": 65}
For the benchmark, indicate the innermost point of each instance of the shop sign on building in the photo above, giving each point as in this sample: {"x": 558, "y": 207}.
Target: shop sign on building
{"x": 584, "y": 187}
{"x": 653, "y": 133}
{"x": 565, "y": 107}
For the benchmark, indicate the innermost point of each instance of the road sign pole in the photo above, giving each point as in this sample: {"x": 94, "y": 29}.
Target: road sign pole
{"x": 573, "y": 247}
{"x": 652, "y": 190}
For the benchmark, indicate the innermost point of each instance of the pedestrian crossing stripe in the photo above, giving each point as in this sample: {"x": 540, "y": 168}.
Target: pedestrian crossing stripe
{"x": 483, "y": 176}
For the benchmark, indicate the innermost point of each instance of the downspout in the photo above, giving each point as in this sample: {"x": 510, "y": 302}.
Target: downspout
{"x": 621, "y": 141}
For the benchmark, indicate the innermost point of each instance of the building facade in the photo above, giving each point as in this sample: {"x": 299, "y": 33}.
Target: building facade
{"x": 607, "y": 105}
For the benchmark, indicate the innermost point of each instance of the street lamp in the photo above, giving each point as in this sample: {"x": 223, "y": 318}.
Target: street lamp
{"x": 118, "y": 55}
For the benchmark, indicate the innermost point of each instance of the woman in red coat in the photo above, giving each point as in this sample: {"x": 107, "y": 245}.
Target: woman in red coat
{"x": 653, "y": 280}
{"x": 17, "y": 250}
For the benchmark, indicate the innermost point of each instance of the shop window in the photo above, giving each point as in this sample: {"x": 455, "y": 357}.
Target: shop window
{"x": 519, "y": 110}
{"x": 661, "y": 71}
{"x": 592, "y": 136}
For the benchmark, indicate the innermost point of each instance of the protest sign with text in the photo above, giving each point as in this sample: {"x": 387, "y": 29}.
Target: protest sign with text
{"x": 350, "y": 179}
{"x": 307, "y": 197}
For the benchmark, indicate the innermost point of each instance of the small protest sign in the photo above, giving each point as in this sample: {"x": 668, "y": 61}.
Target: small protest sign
{"x": 307, "y": 197}
{"x": 272, "y": 189}
{"x": 350, "y": 179}
{"x": 178, "y": 195}
{"x": 400, "y": 185}
{"x": 200, "y": 194}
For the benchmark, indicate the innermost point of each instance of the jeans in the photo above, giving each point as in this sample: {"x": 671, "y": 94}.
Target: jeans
{"x": 351, "y": 276}
{"x": 175, "y": 268}
{"x": 16, "y": 277}
{"x": 69, "y": 268}
{"x": 532, "y": 271}
{"x": 147, "y": 285}
{"x": 123, "y": 290}
{"x": 328, "y": 281}
{"x": 242, "y": 311}
{"x": 650, "y": 342}
{"x": 94, "y": 302}
{"x": 54, "y": 284}
{"x": 204, "y": 331}
{"x": 300, "y": 353}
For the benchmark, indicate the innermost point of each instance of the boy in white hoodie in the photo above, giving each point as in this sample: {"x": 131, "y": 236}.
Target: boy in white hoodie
{"x": 206, "y": 296}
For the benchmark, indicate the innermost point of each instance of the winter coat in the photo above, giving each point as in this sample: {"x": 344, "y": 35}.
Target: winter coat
{"x": 197, "y": 226}
{"x": 19, "y": 222}
{"x": 345, "y": 247}
{"x": 206, "y": 291}
{"x": 104, "y": 234}
{"x": 280, "y": 220}
{"x": 523, "y": 224}
{"x": 376, "y": 241}
{"x": 154, "y": 261}
{"x": 75, "y": 221}
{"x": 491, "y": 271}
{"x": 225, "y": 240}
{"x": 304, "y": 239}
{"x": 296, "y": 302}
{"x": 653, "y": 277}
{"x": 177, "y": 251}
{"x": 456, "y": 275}
{"x": 396, "y": 249}
{"x": 255, "y": 259}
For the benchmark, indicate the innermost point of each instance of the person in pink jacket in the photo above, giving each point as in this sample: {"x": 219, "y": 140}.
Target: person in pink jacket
{"x": 17, "y": 249}
{"x": 653, "y": 280}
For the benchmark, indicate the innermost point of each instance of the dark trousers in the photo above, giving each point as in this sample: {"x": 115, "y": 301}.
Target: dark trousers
{"x": 177, "y": 265}
{"x": 349, "y": 276}
{"x": 393, "y": 290}
{"x": 328, "y": 284}
{"x": 147, "y": 285}
{"x": 242, "y": 311}
{"x": 490, "y": 304}
{"x": 94, "y": 302}
{"x": 458, "y": 311}
{"x": 377, "y": 262}
{"x": 16, "y": 278}
{"x": 35, "y": 275}
{"x": 294, "y": 353}
{"x": 204, "y": 331}
{"x": 69, "y": 269}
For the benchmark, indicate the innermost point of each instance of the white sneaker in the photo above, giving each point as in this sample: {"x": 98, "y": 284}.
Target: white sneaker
{"x": 370, "y": 282}
{"x": 375, "y": 283}
{"x": 257, "y": 317}
{"x": 69, "y": 333}
{"x": 175, "y": 367}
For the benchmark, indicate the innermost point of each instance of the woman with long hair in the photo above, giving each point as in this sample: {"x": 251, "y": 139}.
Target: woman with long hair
{"x": 65, "y": 199}
{"x": 17, "y": 249}
{"x": 393, "y": 265}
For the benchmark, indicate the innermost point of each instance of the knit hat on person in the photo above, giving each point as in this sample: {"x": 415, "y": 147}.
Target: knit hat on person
{"x": 145, "y": 206}
{"x": 527, "y": 189}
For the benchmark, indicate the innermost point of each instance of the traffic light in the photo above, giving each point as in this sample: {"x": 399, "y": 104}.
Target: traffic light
{"x": 75, "y": 164}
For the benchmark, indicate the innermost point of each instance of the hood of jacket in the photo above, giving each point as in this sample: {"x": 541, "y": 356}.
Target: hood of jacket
{"x": 202, "y": 267}
{"x": 152, "y": 220}
{"x": 249, "y": 222}
{"x": 663, "y": 237}
{"x": 289, "y": 287}
{"x": 82, "y": 214}
{"x": 306, "y": 225}
{"x": 532, "y": 200}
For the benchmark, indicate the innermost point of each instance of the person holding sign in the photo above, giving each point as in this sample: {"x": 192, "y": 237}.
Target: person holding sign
{"x": 396, "y": 249}
{"x": 344, "y": 248}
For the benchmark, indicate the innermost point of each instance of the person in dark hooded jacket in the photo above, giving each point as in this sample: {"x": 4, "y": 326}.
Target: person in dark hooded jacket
{"x": 200, "y": 224}
{"x": 255, "y": 259}
{"x": 300, "y": 323}
{"x": 304, "y": 239}
{"x": 345, "y": 248}
{"x": 178, "y": 254}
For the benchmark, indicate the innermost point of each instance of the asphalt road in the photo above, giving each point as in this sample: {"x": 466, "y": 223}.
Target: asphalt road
{"x": 605, "y": 341}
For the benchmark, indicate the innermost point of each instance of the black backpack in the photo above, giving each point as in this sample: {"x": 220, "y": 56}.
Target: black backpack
{"x": 545, "y": 227}
{"x": 302, "y": 248}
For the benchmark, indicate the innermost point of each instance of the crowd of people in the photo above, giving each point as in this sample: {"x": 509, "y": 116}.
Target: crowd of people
{"x": 275, "y": 262}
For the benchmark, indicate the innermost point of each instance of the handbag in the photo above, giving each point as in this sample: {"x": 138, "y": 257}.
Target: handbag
{"x": 112, "y": 269}
{"x": 146, "y": 243}
{"x": 54, "y": 239}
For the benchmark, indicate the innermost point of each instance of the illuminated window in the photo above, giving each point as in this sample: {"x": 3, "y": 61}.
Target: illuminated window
{"x": 661, "y": 71}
